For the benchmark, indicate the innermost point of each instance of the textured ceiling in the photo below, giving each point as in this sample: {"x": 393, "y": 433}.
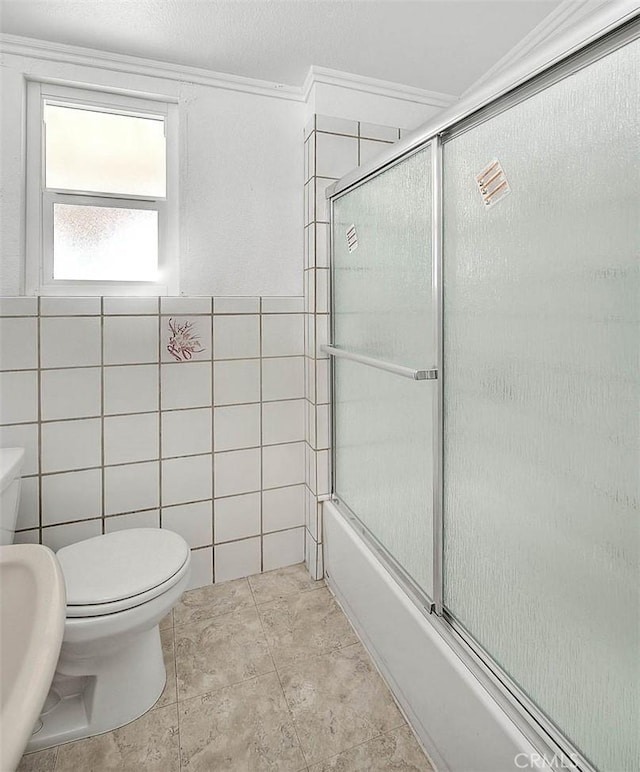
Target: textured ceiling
{"x": 440, "y": 45}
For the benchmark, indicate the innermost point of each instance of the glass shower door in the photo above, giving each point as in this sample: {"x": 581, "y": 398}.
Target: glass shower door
{"x": 542, "y": 402}
{"x": 382, "y": 309}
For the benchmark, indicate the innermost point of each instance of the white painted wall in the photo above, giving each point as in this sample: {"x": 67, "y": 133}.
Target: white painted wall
{"x": 241, "y": 164}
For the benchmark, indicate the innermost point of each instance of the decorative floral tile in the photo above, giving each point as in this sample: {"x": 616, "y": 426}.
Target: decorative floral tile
{"x": 186, "y": 338}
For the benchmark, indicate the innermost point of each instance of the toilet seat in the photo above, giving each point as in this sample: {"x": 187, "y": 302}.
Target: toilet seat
{"x": 121, "y": 570}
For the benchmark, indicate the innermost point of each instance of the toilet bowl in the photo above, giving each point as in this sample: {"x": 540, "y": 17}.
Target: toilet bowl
{"x": 111, "y": 667}
{"x": 119, "y": 586}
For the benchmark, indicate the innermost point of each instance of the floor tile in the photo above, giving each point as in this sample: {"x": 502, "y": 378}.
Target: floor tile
{"x": 220, "y": 651}
{"x": 213, "y": 600}
{"x": 149, "y": 743}
{"x": 169, "y": 695}
{"x": 246, "y": 726}
{"x": 303, "y": 625}
{"x": 274, "y": 585}
{"x": 338, "y": 700}
{"x": 42, "y": 761}
{"x": 396, "y": 751}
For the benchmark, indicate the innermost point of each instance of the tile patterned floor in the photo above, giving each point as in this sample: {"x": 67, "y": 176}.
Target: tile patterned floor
{"x": 263, "y": 673}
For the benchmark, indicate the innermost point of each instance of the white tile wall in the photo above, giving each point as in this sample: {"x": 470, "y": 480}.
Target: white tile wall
{"x": 237, "y": 426}
{"x": 237, "y": 558}
{"x": 70, "y": 393}
{"x": 120, "y": 435}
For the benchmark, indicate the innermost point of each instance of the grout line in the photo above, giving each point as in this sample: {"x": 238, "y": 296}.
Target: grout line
{"x": 39, "y": 417}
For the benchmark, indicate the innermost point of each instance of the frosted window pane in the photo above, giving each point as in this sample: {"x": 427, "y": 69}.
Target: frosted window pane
{"x": 104, "y": 243}
{"x": 542, "y": 402}
{"x": 104, "y": 153}
{"x": 382, "y": 308}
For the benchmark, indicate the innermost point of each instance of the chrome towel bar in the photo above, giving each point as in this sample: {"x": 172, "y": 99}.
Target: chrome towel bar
{"x": 379, "y": 364}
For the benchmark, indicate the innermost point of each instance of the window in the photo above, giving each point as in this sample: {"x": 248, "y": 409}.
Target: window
{"x": 101, "y": 193}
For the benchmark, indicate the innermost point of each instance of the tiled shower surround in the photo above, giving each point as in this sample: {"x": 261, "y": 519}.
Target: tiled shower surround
{"x": 332, "y": 147}
{"x": 180, "y": 412}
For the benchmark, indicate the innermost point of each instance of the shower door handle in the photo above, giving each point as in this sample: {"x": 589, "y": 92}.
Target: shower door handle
{"x": 379, "y": 364}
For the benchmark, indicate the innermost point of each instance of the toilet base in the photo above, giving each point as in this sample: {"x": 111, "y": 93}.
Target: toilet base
{"x": 96, "y": 695}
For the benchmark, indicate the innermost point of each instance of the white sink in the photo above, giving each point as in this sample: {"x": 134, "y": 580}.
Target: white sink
{"x": 32, "y": 616}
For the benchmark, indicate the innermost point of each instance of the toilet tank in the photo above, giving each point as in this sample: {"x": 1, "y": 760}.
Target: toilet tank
{"x": 10, "y": 467}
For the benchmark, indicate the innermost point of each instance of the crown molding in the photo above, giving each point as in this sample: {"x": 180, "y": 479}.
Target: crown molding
{"x": 134, "y": 65}
{"x": 375, "y": 86}
{"x": 567, "y": 13}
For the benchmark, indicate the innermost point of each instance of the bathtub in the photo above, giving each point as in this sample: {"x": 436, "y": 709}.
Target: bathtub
{"x": 460, "y": 725}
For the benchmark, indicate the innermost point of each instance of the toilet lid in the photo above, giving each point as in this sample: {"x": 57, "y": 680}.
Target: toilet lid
{"x": 120, "y": 565}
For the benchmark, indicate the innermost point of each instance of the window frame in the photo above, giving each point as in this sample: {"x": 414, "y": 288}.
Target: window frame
{"x": 40, "y": 200}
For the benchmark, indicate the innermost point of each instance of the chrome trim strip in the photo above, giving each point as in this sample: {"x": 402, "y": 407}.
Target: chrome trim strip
{"x": 438, "y": 398}
{"x": 379, "y": 364}
{"x": 607, "y": 19}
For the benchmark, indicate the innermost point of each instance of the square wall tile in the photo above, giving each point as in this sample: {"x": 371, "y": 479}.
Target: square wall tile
{"x": 186, "y": 479}
{"x": 322, "y": 205}
{"x": 186, "y": 432}
{"x": 375, "y": 131}
{"x": 19, "y": 343}
{"x": 336, "y": 125}
{"x": 370, "y": 149}
{"x": 282, "y": 335}
{"x": 201, "y": 568}
{"x": 69, "y": 306}
{"x": 322, "y": 381}
{"x": 236, "y": 426}
{"x": 71, "y": 496}
{"x": 194, "y": 522}
{"x": 322, "y": 246}
{"x": 283, "y": 465}
{"x": 72, "y": 393}
{"x": 236, "y": 472}
{"x": 185, "y": 386}
{"x": 127, "y": 306}
{"x": 335, "y": 155}
{"x": 131, "y": 487}
{"x": 310, "y": 379}
{"x": 22, "y": 436}
{"x": 70, "y": 342}
{"x": 71, "y": 444}
{"x": 283, "y": 378}
{"x": 130, "y": 340}
{"x": 131, "y": 438}
{"x": 236, "y": 305}
{"x": 186, "y": 305}
{"x": 237, "y": 559}
{"x": 27, "y": 537}
{"x": 236, "y": 517}
{"x": 60, "y": 536}
{"x": 236, "y": 337}
{"x": 18, "y": 306}
{"x": 322, "y": 291}
{"x": 236, "y": 382}
{"x": 323, "y": 427}
{"x": 131, "y": 389}
{"x": 283, "y": 305}
{"x": 185, "y": 338}
{"x": 148, "y": 519}
{"x": 283, "y": 421}
{"x": 283, "y": 508}
{"x": 29, "y": 507}
{"x": 285, "y": 548}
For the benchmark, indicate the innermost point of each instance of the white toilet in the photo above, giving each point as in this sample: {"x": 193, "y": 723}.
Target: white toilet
{"x": 119, "y": 586}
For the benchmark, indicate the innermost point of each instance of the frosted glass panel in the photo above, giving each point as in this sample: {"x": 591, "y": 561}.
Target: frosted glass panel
{"x": 382, "y": 308}
{"x": 104, "y": 243}
{"x": 542, "y": 402}
{"x": 104, "y": 153}
{"x": 382, "y": 289}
